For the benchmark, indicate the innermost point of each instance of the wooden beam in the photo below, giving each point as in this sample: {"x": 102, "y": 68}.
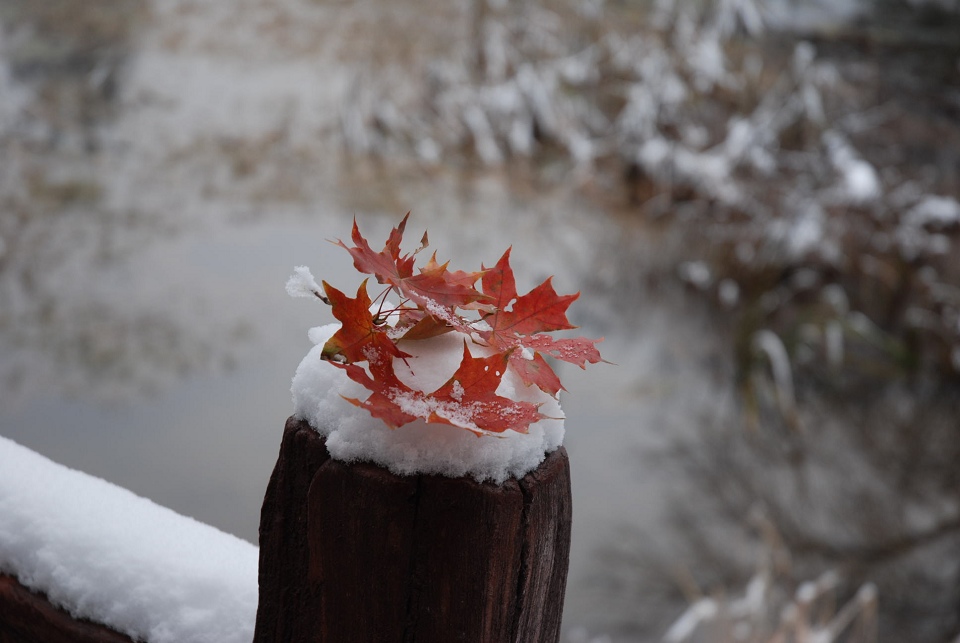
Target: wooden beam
{"x": 29, "y": 617}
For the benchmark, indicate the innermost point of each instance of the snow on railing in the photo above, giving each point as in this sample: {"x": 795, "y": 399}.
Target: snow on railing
{"x": 105, "y": 555}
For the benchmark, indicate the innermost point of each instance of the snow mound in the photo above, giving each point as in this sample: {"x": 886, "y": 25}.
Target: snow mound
{"x": 353, "y": 435}
{"x": 104, "y": 554}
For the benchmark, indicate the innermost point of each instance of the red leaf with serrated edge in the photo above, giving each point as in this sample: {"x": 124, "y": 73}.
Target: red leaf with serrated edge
{"x": 536, "y": 371}
{"x": 539, "y": 311}
{"x": 434, "y": 287}
{"x": 358, "y": 339}
{"x": 388, "y": 266}
{"x": 498, "y": 282}
{"x": 467, "y": 400}
{"x": 575, "y": 350}
{"x": 434, "y": 301}
{"x": 456, "y": 278}
{"x": 385, "y": 388}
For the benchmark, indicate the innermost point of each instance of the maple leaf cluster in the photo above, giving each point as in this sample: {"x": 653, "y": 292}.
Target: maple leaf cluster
{"x": 434, "y": 301}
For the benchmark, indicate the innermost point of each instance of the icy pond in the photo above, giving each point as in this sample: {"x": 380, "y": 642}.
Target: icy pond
{"x": 165, "y": 165}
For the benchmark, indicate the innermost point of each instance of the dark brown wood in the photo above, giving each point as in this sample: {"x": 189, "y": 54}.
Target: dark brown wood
{"x": 361, "y": 539}
{"x": 284, "y": 586}
{"x": 548, "y": 515}
{"x": 29, "y": 617}
{"x": 467, "y": 567}
{"x": 410, "y": 559}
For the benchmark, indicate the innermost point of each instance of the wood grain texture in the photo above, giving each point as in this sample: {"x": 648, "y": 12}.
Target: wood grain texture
{"x": 29, "y": 617}
{"x": 467, "y": 564}
{"x": 548, "y": 516}
{"x": 411, "y": 559}
{"x": 284, "y": 587}
{"x": 361, "y": 539}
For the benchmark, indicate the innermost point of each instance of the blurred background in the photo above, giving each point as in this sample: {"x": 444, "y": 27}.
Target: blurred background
{"x": 758, "y": 200}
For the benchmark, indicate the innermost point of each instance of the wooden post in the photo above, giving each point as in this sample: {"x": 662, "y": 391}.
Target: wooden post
{"x": 356, "y": 554}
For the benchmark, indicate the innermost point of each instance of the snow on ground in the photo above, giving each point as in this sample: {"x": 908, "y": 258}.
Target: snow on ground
{"x": 354, "y": 435}
{"x": 107, "y": 555}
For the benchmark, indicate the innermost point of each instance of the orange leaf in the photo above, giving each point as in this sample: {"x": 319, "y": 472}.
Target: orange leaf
{"x": 358, "y": 339}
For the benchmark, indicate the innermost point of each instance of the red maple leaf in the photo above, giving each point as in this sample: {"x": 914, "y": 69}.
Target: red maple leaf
{"x": 434, "y": 302}
{"x": 359, "y": 338}
{"x": 540, "y": 310}
{"x": 516, "y": 330}
{"x": 467, "y": 400}
{"x": 433, "y": 287}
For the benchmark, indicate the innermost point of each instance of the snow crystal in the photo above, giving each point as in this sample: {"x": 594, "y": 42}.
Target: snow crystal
{"x": 353, "y": 435}
{"x": 107, "y": 555}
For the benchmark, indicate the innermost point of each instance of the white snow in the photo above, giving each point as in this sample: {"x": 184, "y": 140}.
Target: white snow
{"x": 934, "y": 211}
{"x": 859, "y": 181}
{"x": 107, "y": 555}
{"x": 302, "y": 284}
{"x": 702, "y": 610}
{"x": 353, "y": 435}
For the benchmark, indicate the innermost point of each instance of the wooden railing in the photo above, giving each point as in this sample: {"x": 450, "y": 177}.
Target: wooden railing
{"x": 28, "y": 617}
{"x": 356, "y": 554}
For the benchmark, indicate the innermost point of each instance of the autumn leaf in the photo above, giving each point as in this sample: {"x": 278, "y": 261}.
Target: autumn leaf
{"x": 540, "y": 310}
{"x": 432, "y": 287}
{"x": 388, "y": 265}
{"x": 467, "y": 400}
{"x": 359, "y": 338}
{"x": 437, "y": 300}
{"x": 575, "y": 350}
{"x": 385, "y": 389}
{"x": 535, "y": 371}
{"x": 517, "y": 330}
{"x": 471, "y": 393}
{"x": 417, "y": 325}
